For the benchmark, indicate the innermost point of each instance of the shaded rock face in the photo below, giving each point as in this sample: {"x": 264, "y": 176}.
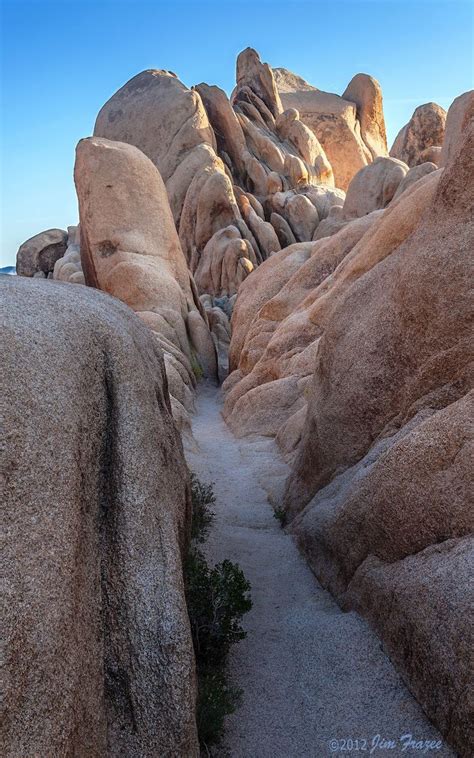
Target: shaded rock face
{"x": 458, "y": 120}
{"x": 351, "y": 128}
{"x": 39, "y": 254}
{"x": 355, "y": 352}
{"x": 425, "y": 130}
{"x": 98, "y": 655}
{"x": 69, "y": 267}
{"x": 130, "y": 249}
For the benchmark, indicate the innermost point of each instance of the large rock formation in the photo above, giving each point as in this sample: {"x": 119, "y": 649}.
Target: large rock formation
{"x": 351, "y": 128}
{"x": 223, "y": 162}
{"x": 424, "y": 131}
{"x": 130, "y": 249}
{"x": 458, "y": 120}
{"x": 69, "y": 267}
{"x": 373, "y": 187}
{"x": 355, "y": 352}
{"x": 38, "y": 255}
{"x": 98, "y": 656}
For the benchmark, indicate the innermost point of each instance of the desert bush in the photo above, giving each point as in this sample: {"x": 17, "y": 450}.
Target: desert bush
{"x": 202, "y": 497}
{"x": 217, "y": 597}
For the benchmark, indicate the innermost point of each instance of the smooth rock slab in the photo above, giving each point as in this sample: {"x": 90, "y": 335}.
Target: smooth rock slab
{"x": 98, "y": 655}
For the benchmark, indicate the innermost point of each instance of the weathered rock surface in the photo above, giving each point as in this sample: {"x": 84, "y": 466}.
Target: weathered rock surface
{"x": 98, "y": 655}
{"x": 69, "y": 267}
{"x": 225, "y": 262}
{"x": 40, "y": 253}
{"x": 424, "y": 131}
{"x": 358, "y": 359}
{"x": 350, "y": 128}
{"x": 442, "y": 222}
{"x": 366, "y": 93}
{"x": 391, "y": 406}
{"x": 373, "y": 187}
{"x": 258, "y": 151}
{"x": 130, "y": 249}
{"x": 258, "y": 76}
{"x": 458, "y": 120}
{"x": 427, "y": 603}
{"x": 274, "y": 337}
{"x": 412, "y": 176}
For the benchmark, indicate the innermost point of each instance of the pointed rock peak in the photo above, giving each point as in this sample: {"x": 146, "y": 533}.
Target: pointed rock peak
{"x": 258, "y": 76}
{"x": 366, "y": 93}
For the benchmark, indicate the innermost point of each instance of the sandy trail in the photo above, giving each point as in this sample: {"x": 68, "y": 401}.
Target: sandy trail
{"x": 310, "y": 673}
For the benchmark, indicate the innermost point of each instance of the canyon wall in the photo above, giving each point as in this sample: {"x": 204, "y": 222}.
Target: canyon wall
{"x": 98, "y": 655}
{"x": 355, "y": 352}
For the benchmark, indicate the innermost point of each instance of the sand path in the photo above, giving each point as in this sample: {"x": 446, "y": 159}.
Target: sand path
{"x": 312, "y": 675}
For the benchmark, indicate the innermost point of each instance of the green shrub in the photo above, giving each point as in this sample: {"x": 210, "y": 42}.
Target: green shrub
{"x": 217, "y": 598}
{"x": 196, "y": 367}
{"x": 280, "y": 515}
{"x": 216, "y": 700}
{"x": 202, "y": 497}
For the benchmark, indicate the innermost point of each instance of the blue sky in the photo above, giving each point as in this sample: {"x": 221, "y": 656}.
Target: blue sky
{"x": 62, "y": 60}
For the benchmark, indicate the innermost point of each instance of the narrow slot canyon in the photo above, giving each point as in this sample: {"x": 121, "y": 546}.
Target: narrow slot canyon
{"x": 238, "y": 430}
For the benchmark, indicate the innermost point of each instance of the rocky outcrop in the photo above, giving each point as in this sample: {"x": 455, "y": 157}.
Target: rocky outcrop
{"x": 258, "y": 77}
{"x": 440, "y": 209}
{"x": 424, "y": 131}
{"x": 412, "y": 176}
{"x": 155, "y": 112}
{"x": 354, "y": 351}
{"x": 69, "y": 267}
{"x": 458, "y": 120}
{"x": 274, "y": 337}
{"x": 222, "y": 161}
{"x": 98, "y": 656}
{"x": 351, "y": 128}
{"x": 373, "y": 187}
{"x": 390, "y": 406}
{"x": 130, "y": 249}
{"x": 366, "y": 93}
{"x": 39, "y": 254}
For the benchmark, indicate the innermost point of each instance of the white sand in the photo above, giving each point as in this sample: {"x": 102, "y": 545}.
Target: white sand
{"x": 310, "y": 673}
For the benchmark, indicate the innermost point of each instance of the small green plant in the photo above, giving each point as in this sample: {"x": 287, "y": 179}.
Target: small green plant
{"x": 196, "y": 367}
{"x": 202, "y": 497}
{"x": 216, "y": 700}
{"x": 217, "y": 597}
{"x": 280, "y": 515}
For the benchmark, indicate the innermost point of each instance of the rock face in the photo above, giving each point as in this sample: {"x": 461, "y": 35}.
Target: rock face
{"x": 351, "y": 128}
{"x": 69, "y": 267}
{"x": 130, "y": 249}
{"x": 259, "y": 78}
{"x": 222, "y": 161}
{"x": 355, "y": 352}
{"x": 458, "y": 120}
{"x": 442, "y": 223}
{"x": 39, "y": 254}
{"x": 373, "y": 187}
{"x": 424, "y": 131}
{"x": 98, "y": 656}
{"x": 366, "y": 93}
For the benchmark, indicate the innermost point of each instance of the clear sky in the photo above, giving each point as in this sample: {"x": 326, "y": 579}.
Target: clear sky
{"x": 61, "y": 60}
